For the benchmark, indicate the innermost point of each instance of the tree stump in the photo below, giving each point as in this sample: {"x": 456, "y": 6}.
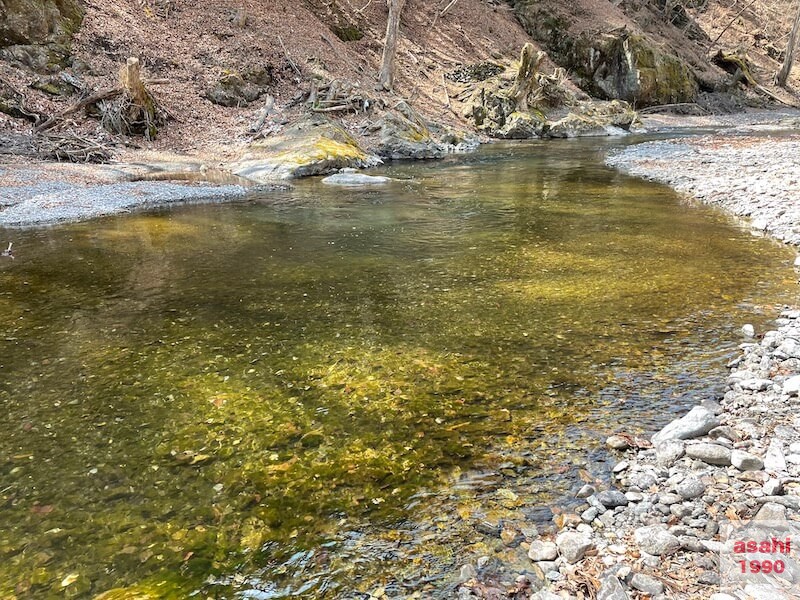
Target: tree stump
{"x": 525, "y": 81}
{"x": 136, "y": 112}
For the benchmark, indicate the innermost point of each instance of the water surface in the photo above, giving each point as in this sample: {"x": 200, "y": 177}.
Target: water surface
{"x": 326, "y": 391}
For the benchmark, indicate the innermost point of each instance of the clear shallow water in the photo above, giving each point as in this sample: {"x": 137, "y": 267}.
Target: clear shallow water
{"x": 326, "y": 391}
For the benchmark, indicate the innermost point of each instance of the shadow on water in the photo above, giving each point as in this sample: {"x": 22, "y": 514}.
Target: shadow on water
{"x": 324, "y": 391}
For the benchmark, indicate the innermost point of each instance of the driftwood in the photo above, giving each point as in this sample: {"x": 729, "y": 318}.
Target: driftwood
{"x": 8, "y": 253}
{"x": 265, "y": 111}
{"x": 676, "y": 107}
{"x": 336, "y": 96}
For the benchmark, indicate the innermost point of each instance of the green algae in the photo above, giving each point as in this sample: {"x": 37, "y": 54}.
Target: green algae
{"x": 271, "y": 397}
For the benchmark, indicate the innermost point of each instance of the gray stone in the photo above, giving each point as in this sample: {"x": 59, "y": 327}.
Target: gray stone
{"x": 724, "y": 431}
{"x": 634, "y": 496}
{"x": 756, "y": 384}
{"x": 695, "y": 423}
{"x": 647, "y": 584}
{"x": 771, "y": 511}
{"x": 350, "y": 179}
{"x": 774, "y": 459}
{"x": 690, "y": 488}
{"x": 669, "y": 451}
{"x": 669, "y": 499}
{"x": 589, "y": 515}
{"x": 713, "y": 454}
{"x": 611, "y": 589}
{"x": 748, "y": 330}
{"x": 617, "y": 442}
{"x": 541, "y": 550}
{"x": 620, "y": 466}
{"x": 773, "y": 487}
{"x": 791, "y": 386}
{"x": 656, "y": 540}
{"x": 744, "y": 461}
{"x": 612, "y": 498}
{"x": 586, "y": 491}
{"x": 573, "y": 546}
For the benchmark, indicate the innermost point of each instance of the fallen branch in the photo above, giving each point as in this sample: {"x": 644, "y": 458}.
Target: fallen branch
{"x": 670, "y": 107}
{"x": 286, "y": 54}
{"x": 269, "y": 104}
{"x": 733, "y": 20}
{"x": 86, "y": 102}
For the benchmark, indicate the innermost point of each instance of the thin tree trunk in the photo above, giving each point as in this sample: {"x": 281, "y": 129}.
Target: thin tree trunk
{"x": 783, "y": 74}
{"x": 386, "y": 76}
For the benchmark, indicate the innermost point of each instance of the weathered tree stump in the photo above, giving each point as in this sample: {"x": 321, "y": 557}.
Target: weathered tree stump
{"x": 526, "y": 81}
{"x": 136, "y": 111}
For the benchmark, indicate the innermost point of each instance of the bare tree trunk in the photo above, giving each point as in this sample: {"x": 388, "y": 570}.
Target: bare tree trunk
{"x": 386, "y": 76}
{"x": 783, "y": 74}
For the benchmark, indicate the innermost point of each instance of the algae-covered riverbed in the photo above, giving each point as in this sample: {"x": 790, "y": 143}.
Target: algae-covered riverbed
{"x": 327, "y": 391}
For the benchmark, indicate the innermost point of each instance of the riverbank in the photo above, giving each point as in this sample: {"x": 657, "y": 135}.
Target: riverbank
{"x": 660, "y": 529}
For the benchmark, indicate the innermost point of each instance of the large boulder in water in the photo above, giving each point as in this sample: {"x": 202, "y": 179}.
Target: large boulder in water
{"x": 596, "y": 118}
{"x": 311, "y": 146}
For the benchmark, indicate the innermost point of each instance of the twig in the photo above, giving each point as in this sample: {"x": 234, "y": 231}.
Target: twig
{"x": 663, "y": 107}
{"x": 733, "y": 20}
{"x": 7, "y": 252}
{"x": 448, "y": 7}
{"x": 286, "y": 54}
{"x": 446, "y": 93}
{"x": 363, "y": 8}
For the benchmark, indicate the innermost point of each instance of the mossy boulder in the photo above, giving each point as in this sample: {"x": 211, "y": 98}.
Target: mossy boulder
{"x": 595, "y": 118}
{"x": 26, "y": 22}
{"x": 521, "y": 126}
{"x": 239, "y": 89}
{"x": 630, "y": 68}
{"x": 312, "y": 146}
{"x": 405, "y": 134}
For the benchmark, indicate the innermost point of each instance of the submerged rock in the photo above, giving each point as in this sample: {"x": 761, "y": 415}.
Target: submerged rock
{"x": 349, "y": 177}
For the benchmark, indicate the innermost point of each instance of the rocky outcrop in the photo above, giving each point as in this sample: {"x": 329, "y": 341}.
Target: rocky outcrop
{"x": 37, "y": 33}
{"x": 312, "y": 146}
{"x": 628, "y": 67}
{"x": 239, "y": 89}
{"x": 622, "y": 65}
{"x": 404, "y": 134}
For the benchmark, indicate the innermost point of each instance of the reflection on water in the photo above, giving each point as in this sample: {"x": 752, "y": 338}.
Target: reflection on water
{"x": 325, "y": 391}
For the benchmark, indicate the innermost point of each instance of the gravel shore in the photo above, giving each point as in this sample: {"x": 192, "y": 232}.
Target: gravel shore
{"x": 51, "y": 193}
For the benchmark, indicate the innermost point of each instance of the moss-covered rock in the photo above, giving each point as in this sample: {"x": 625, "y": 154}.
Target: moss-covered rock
{"x": 312, "y": 146}
{"x": 405, "y": 134}
{"x": 520, "y": 126}
{"x": 26, "y": 22}
{"x": 239, "y": 89}
{"x": 629, "y": 68}
{"x": 596, "y": 118}
{"x": 619, "y": 66}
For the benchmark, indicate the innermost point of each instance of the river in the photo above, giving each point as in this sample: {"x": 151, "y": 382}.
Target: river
{"x": 325, "y": 391}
